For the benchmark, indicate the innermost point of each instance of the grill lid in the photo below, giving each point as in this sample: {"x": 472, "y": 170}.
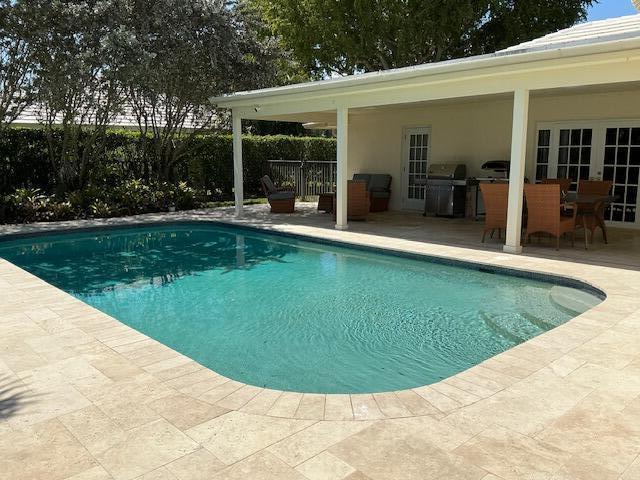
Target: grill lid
{"x": 455, "y": 171}
{"x": 500, "y": 166}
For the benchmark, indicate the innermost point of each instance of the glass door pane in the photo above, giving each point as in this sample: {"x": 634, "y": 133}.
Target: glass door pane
{"x": 574, "y": 155}
{"x": 542, "y": 154}
{"x": 622, "y": 167}
{"x": 416, "y": 166}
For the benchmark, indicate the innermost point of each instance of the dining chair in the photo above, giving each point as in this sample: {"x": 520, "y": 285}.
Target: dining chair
{"x": 565, "y": 183}
{"x": 543, "y": 212}
{"x": 496, "y": 200}
{"x": 594, "y": 187}
{"x": 591, "y": 215}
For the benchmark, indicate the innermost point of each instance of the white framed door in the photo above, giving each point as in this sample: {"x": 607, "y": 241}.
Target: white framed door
{"x": 598, "y": 150}
{"x": 567, "y": 151}
{"x": 622, "y": 167}
{"x": 416, "y": 157}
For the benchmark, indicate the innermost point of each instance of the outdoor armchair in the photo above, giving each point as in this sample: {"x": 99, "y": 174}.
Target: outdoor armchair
{"x": 379, "y": 189}
{"x": 281, "y": 201}
{"x": 357, "y": 200}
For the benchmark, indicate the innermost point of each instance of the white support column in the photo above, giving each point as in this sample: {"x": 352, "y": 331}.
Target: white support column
{"x": 238, "y": 188}
{"x": 517, "y": 170}
{"x": 341, "y": 174}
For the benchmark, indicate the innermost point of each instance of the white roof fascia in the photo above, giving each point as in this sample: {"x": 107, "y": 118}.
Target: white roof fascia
{"x": 469, "y": 66}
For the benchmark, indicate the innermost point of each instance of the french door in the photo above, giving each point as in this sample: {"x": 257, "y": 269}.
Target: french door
{"x": 416, "y": 152}
{"x": 597, "y": 150}
{"x": 622, "y": 166}
{"x": 565, "y": 152}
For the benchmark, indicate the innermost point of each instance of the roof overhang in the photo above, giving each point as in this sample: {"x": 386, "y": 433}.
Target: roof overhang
{"x": 615, "y": 61}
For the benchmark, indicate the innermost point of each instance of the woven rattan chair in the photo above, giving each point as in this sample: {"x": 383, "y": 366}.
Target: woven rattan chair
{"x": 357, "y": 200}
{"x": 281, "y": 201}
{"x": 565, "y": 183}
{"x": 591, "y": 216}
{"x": 379, "y": 188}
{"x": 544, "y": 215}
{"x": 496, "y": 200}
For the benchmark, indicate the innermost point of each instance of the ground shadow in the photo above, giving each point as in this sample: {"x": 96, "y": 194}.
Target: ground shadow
{"x": 14, "y": 396}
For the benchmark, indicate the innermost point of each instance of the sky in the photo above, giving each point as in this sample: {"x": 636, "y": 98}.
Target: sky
{"x": 610, "y": 9}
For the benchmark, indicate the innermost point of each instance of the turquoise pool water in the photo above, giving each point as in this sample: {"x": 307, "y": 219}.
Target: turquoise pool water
{"x": 283, "y": 313}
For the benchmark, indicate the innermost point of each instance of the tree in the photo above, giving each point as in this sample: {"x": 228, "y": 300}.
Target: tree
{"x": 16, "y": 65}
{"x": 76, "y": 80}
{"x": 178, "y": 55}
{"x": 512, "y": 22}
{"x": 344, "y": 37}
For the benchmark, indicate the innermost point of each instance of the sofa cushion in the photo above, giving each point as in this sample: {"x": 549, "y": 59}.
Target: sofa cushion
{"x": 362, "y": 177}
{"x": 380, "y": 182}
{"x": 380, "y": 194}
{"x": 268, "y": 184}
{"x": 282, "y": 195}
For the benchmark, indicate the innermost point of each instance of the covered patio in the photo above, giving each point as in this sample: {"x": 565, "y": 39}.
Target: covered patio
{"x": 564, "y": 105}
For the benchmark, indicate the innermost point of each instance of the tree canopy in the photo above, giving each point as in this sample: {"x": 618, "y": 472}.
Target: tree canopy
{"x": 81, "y": 63}
{"x": 343, "y": 37}
{"x": 176, "y": 55}
{"x": 16, "y": 64}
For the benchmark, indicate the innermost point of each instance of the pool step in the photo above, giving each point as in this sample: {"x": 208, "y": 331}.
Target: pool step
{"x": 572, "y": 300}
{"x": 542, "y": 324}
{"x": 517, "y": 327}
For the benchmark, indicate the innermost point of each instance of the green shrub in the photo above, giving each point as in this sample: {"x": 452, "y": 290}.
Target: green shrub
{"x": 207, "y": 165}
{"x": 25, "y": 203}
{"x": 133, "y": 196}
{"x": 121, "y": 181}
{"x": 101, "y": 209}
{"x": 81, "y": 200}
{"x": 23, "y": 161}
{"x": 53, "y": 211}
{"x": 185, "y": 196}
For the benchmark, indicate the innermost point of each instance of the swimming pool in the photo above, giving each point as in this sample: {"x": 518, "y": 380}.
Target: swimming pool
{"x": 285, "y": 313}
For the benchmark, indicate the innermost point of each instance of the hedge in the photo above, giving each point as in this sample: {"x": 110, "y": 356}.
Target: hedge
{"x": 207, "y": 166}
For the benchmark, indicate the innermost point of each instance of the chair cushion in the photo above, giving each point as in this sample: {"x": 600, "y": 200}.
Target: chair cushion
{"x": 380, "y": 194}
{"x": 282, "y": 196}
{"x": 380, "y": 181}
{"x": 362, "y": 177}
{"x": 268, "y": 183}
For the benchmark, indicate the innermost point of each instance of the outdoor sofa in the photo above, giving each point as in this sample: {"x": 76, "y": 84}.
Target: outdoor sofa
{"x": 379, "y": 188}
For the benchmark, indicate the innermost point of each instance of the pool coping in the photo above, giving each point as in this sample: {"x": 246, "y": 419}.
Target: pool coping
{"x": 334, "y": 238}
{"x": 556, "y": 405}
{"x": 481, "y": 267}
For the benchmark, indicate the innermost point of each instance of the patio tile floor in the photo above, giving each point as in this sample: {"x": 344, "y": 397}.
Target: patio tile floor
{"x": 85, "y": 397}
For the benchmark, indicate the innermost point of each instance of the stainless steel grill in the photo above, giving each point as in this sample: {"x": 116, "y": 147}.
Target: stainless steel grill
{"x": 446, "y": 190}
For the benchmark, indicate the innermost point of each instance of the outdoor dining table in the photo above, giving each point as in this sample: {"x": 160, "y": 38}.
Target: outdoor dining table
{"x": 590, "y": 206}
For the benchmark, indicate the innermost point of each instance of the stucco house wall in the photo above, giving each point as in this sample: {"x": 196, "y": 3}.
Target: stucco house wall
{"x": 470, "y": 132}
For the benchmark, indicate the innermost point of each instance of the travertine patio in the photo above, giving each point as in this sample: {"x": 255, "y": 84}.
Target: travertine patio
{"x": 83, "y": 396}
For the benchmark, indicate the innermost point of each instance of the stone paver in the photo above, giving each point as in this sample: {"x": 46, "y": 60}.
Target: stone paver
{"x": 85, "y": 397}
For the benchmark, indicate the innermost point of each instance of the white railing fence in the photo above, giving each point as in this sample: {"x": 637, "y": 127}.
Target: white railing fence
{"x": 307, "y": 178}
